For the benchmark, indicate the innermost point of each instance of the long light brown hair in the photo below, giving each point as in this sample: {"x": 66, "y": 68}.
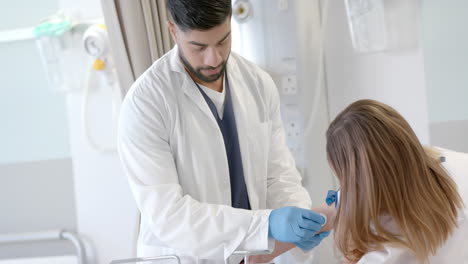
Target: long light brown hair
{"x": 384, "y": 170}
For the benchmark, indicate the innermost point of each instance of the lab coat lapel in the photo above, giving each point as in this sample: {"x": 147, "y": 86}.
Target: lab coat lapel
{"x": 189, "y": 87}
{"x": 192, "y": 92}
{"x": 239, "y": 92}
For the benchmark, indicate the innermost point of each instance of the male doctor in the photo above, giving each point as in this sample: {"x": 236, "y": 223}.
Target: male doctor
{"x": 203, "y": 146}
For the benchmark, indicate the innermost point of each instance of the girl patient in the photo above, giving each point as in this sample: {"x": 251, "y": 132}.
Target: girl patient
{"x": 398, "y": 201}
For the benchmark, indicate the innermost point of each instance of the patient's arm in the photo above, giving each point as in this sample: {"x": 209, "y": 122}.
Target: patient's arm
{"x": 330, "y": 212}
{"x": 281, "y": 247}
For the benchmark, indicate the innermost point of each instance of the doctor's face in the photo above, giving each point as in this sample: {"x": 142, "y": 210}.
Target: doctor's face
{"x": 204, "y": 53}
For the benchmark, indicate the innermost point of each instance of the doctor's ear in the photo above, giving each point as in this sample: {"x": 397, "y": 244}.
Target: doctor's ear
{"x": 172, "y": 30}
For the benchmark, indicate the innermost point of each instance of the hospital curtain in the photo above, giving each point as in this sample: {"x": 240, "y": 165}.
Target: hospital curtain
{"x": 138, "y": 35}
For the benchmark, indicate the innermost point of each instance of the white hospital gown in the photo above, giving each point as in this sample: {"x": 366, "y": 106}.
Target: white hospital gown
{"x": 455, "y": 249}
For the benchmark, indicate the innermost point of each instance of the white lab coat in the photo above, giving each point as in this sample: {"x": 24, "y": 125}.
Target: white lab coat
{"x": 173, "y": 153}
{"x": 455, "y": 249}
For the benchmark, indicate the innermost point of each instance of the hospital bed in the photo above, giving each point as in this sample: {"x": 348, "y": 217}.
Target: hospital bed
{"x": 176, "y": 260}
{"x": 50, "y": 235}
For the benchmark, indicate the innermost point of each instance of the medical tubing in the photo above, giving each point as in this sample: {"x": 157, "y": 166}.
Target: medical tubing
{"x": 84, "y": 116}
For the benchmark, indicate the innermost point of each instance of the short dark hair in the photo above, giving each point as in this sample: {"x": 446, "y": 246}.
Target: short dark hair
{"x": 199, "y": 14}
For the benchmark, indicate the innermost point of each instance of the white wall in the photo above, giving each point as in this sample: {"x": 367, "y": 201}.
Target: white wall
{"x": 35, "y": 197}
{"x": 393, "y": 78}
{"x": 36, "y": 181}
{"x": 15, "y": 15}
{"x": 34, "y": 124}
{"x": 318, "y": 178}
{"x": 106, "y": 213}
{"x": 444, "y": 43}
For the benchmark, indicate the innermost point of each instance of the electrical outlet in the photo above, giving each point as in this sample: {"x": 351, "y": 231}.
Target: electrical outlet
{"x": 293, "y": 132}
{"x": 289, "y": 85}
{"x": 293, "y": 129}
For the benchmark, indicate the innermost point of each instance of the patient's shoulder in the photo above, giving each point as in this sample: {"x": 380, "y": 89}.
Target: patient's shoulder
{"x": 454, "y": 250}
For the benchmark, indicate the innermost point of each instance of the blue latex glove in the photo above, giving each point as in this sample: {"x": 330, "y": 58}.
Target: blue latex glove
{"x": 294, "y": 225}
{"x": 310, "y": 244}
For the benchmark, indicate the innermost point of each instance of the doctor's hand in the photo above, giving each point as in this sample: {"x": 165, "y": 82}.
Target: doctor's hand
{"x": 315, "y": 241}
{"x": 294, "y": 225}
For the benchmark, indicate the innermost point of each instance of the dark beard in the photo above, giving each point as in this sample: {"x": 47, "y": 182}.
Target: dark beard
{"x": 197, "y": 72}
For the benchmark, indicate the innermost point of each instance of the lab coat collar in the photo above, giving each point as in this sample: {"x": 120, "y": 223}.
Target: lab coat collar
{"x": 188, "y": 85}
{"x": 175, "y": 63}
